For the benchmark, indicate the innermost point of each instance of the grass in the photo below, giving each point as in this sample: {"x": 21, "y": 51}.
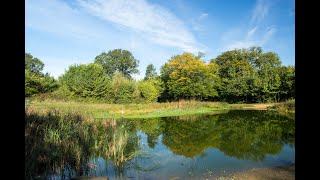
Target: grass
{"x": 284, "y": 107}
{"x": 102, "y": 110}
{"x": 150, "y": 110}
{"x": 57, "y": 140}
{"x": 163, "y": 113}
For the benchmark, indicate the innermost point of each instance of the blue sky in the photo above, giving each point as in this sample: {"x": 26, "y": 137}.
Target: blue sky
{"x": 62, "y": 33}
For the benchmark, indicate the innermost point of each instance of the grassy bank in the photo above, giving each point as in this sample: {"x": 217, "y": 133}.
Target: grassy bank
{"x": 102, "y": 110}
{"x": 284, "y": 107}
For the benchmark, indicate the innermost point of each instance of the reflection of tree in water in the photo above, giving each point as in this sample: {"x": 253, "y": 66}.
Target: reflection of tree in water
{"x": 253, "y": 134}
{"x": 152, "y": 128}
{"x": 189, "y": 138}
{"x": 240, "y": 134}
{"x": 55, "y": 145}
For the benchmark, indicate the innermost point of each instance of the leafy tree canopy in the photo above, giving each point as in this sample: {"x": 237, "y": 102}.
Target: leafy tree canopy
{"x": 187, "y": 76}
{"x": 86, "y": 81}
{"x": 33, "y": 64}
{"x": 118, "y": 60}
{"x": 150, "y": 72}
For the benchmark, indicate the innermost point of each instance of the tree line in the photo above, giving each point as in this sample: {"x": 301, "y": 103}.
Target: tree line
{"x": 240, "y": 75}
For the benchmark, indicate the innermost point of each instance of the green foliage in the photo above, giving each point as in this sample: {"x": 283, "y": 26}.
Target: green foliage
{"x": 240, "y": 75}
{"x": 150, "y": 90}
{"x": 118, "y": 60}
{"x": 287, "y": 77}
{"x": 49, "y": 84}
{"x": 122, "y": 88}
{"x": 249, "y": 75}
{"x": 32, "y": 84}
{"x": 35, "y": 81}
{"x": 267, "y": 65}
{"x": 37, "y": 85}
{"x": 200, "y": 55}
{"x": 237, "y": 74}
{"x": 33, "y": 64}
{"x": 285, "y": 107}
{"x": 86, "y": 81}
{"x": 188, "y": 77}
{"x": 150, "y": 72}
{"x": 56, "y": 142}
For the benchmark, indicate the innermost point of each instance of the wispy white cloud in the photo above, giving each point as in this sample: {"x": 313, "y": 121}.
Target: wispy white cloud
{"x": 159, "y": 24}
{"x": 260, "y": 11}
{"x": 268, "y": 34}
{"x": 252, "y": 31}
{"x": 260, "y": 40}
{"x": 253, "y": 34}
{"x": 138, "y": 26}
{"x": 197, "y": 23}
{"x": 203, "y": 16}
{"x": 58, "y": 18}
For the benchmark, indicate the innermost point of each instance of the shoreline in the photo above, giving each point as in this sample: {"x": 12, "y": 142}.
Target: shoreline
{"x": 286, "y": 172}
{"x": 150, "y": 110}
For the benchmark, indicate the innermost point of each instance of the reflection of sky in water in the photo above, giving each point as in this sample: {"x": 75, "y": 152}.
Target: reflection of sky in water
{"x": 210, "y": 147}
{"x": 212, "y": 162}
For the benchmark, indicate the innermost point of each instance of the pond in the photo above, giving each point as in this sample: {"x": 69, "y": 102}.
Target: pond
{"x": 184, "y": 147}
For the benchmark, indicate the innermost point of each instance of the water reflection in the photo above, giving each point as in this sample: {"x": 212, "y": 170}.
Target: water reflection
{"x": 114, "y": 148}
{"x": 65, "y": 145}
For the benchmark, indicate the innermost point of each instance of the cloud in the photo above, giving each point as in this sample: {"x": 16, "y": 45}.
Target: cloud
{"x": 57, "y": 17}
{"x": 260, "y": 11}
{"x": 253, "y": 34}
{"x": 85, "y": 29}
{"x": 197, "y": 22}
{"x": 252, "y": 31}
{"x": 262, "y": 39}
{"x": 157, "y": 23}
{"x": 268, "y": 35}
{"x": 203, "y": 16}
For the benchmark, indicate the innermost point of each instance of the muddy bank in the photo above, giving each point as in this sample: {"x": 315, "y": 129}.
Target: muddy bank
{"x": 269, "y": 173}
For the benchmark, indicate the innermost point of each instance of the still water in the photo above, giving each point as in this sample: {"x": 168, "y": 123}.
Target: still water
{"x": 185, "y": 147}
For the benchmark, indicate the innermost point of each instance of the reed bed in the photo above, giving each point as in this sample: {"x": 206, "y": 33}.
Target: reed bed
{"x": 62, "y": 143}
{"x": 102, "y": 110}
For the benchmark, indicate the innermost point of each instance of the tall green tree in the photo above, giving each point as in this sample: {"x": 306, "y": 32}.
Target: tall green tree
{"x": 32, "y": 84}
{"x": 269, "y": 80}
{"x": 238, "y": 76}
{"x": 287, "y": 87}
{"x": 188, "y": 77}
{"x": 150, "y": 72}
{"x": 150, "y": 90}
{"x": 35, "y": 81}
{"x": 122, "y": 88}
{"x": 118, "y": 60}
{"x": 249, "y": 75}
{"x": 33, "y": 64}
{"x": 87, "y": 81}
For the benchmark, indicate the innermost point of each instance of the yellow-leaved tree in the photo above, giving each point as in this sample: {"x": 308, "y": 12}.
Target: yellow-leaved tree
{"x": 188, "y": 77}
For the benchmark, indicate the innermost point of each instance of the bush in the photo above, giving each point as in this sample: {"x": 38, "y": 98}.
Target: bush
{"x": 86, "y": 81}
{"x": 149, "y": 90}
{"x": 122, "y": 88}
{"x": 285, "y": 107}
